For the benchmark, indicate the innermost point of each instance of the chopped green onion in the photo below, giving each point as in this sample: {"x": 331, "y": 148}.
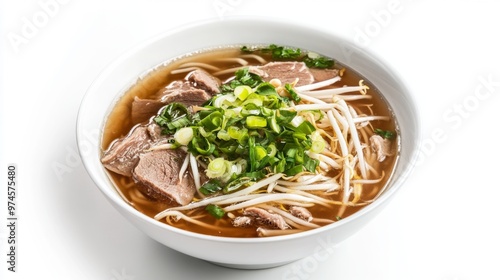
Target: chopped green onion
{"x": 184, "y": 135}
{"x": 299, "y": 136}
{"x": 266, "y": 112}
{"x": 297, "y": 120}
{"x": 273, "y": 101}
{"x": 256, "y": 122}
{"x": 271, "y": 150}
{"x": 217, "y": 168}
{"x": 178, "y": 123}
{"x": 299, "y": 156}
{"x": 294, "y": 170}
{"x": 251, "y": 108}
{"x": 254, "y": 176}
{"x": 310, "y": 164}
{"x": 212, "y": 121}
{"x": 284, "y": 117}
{"x": 240, "y": 134}
{"x": 318, "y": 114}
{"x": 266, "y": 89}
{"x": 215, "y": 211}
{"x": 292, "y": 92}
{"x": 234, "y": 132}
{"x": 202, "y": 146}
{"x": 291, "y": 152}
{"x": 252, "y": 154}
{"x": 223, "y": 135}
{"x": 204, "y": 133}
{"x": 242, "y": 92}
{"x": 236, "y": 184}
{"x": 318, "y": 144}
{"x": 172, "y": 117}
{"x": 280, "y": 166}
{"x": 260, "y": 152}
{"x": 273, "y": 124}
{"x": 211, "y": 187}
{"x": 305, "y": 127}
{"x": 239, "y": 166}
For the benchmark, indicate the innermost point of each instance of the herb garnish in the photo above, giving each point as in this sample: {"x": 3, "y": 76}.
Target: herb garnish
{"x": 387, "y": 134}
{"x": 215, "y": 211}
{"x": 312, "y": 60}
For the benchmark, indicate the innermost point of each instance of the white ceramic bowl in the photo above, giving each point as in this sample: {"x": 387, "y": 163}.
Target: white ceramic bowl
{"x": 242, "y": 252}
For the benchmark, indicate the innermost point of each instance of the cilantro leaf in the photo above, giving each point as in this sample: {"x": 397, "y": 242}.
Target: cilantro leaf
{"x": 387, "y": 134}
{"x": 319, "y": 62}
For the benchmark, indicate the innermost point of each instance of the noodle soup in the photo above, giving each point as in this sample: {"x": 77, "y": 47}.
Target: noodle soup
{"x": 277, "y": 141}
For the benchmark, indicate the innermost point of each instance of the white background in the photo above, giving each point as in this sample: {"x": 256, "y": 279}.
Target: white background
{"x": 443, "y": 224}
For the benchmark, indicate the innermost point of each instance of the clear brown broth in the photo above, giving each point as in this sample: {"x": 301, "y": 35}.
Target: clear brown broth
{"x": 119, "y": 124}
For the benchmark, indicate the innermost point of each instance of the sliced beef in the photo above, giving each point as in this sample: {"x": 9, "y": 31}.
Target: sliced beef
{"x": 157, "y": 172}
{"x": 381, "y": 146}
{"x": 323, "y": 74}
{"x": 285, "y": 71}
{"x": 174, "y": 87}
{"x": 266, "y": 218}
{"x": 123, "y": 154}
{"x": 243, "y": 221}
{"x": 301, "y": 213}
{"x": 157, "y": 176}
{"x": 198, "y": 87}
{"x": 144, "y": 109}
{"x": 154, "y": 131}
{"x": 184, "y": 93}
{"x": 203, "y": 80}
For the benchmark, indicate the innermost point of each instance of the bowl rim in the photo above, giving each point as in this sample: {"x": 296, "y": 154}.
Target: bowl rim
{"x": 111, "y": 194}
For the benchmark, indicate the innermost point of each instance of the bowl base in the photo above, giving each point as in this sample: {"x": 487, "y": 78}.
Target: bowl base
{"x": 250, "y": 266}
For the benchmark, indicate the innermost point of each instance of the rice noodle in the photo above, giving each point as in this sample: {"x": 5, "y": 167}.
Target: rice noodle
{"x": 256, "y": 57}
{"x": 184, "y": 70}
{"x": 227, "y": 71}
{"x": 234, "y": 59}
{"x": 200, "y": 65}
{"x": 179, "y": 215}
{"x": 276, "y": 232}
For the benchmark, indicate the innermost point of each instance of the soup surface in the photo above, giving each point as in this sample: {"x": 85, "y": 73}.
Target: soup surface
{"x": 323, "y": 138}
